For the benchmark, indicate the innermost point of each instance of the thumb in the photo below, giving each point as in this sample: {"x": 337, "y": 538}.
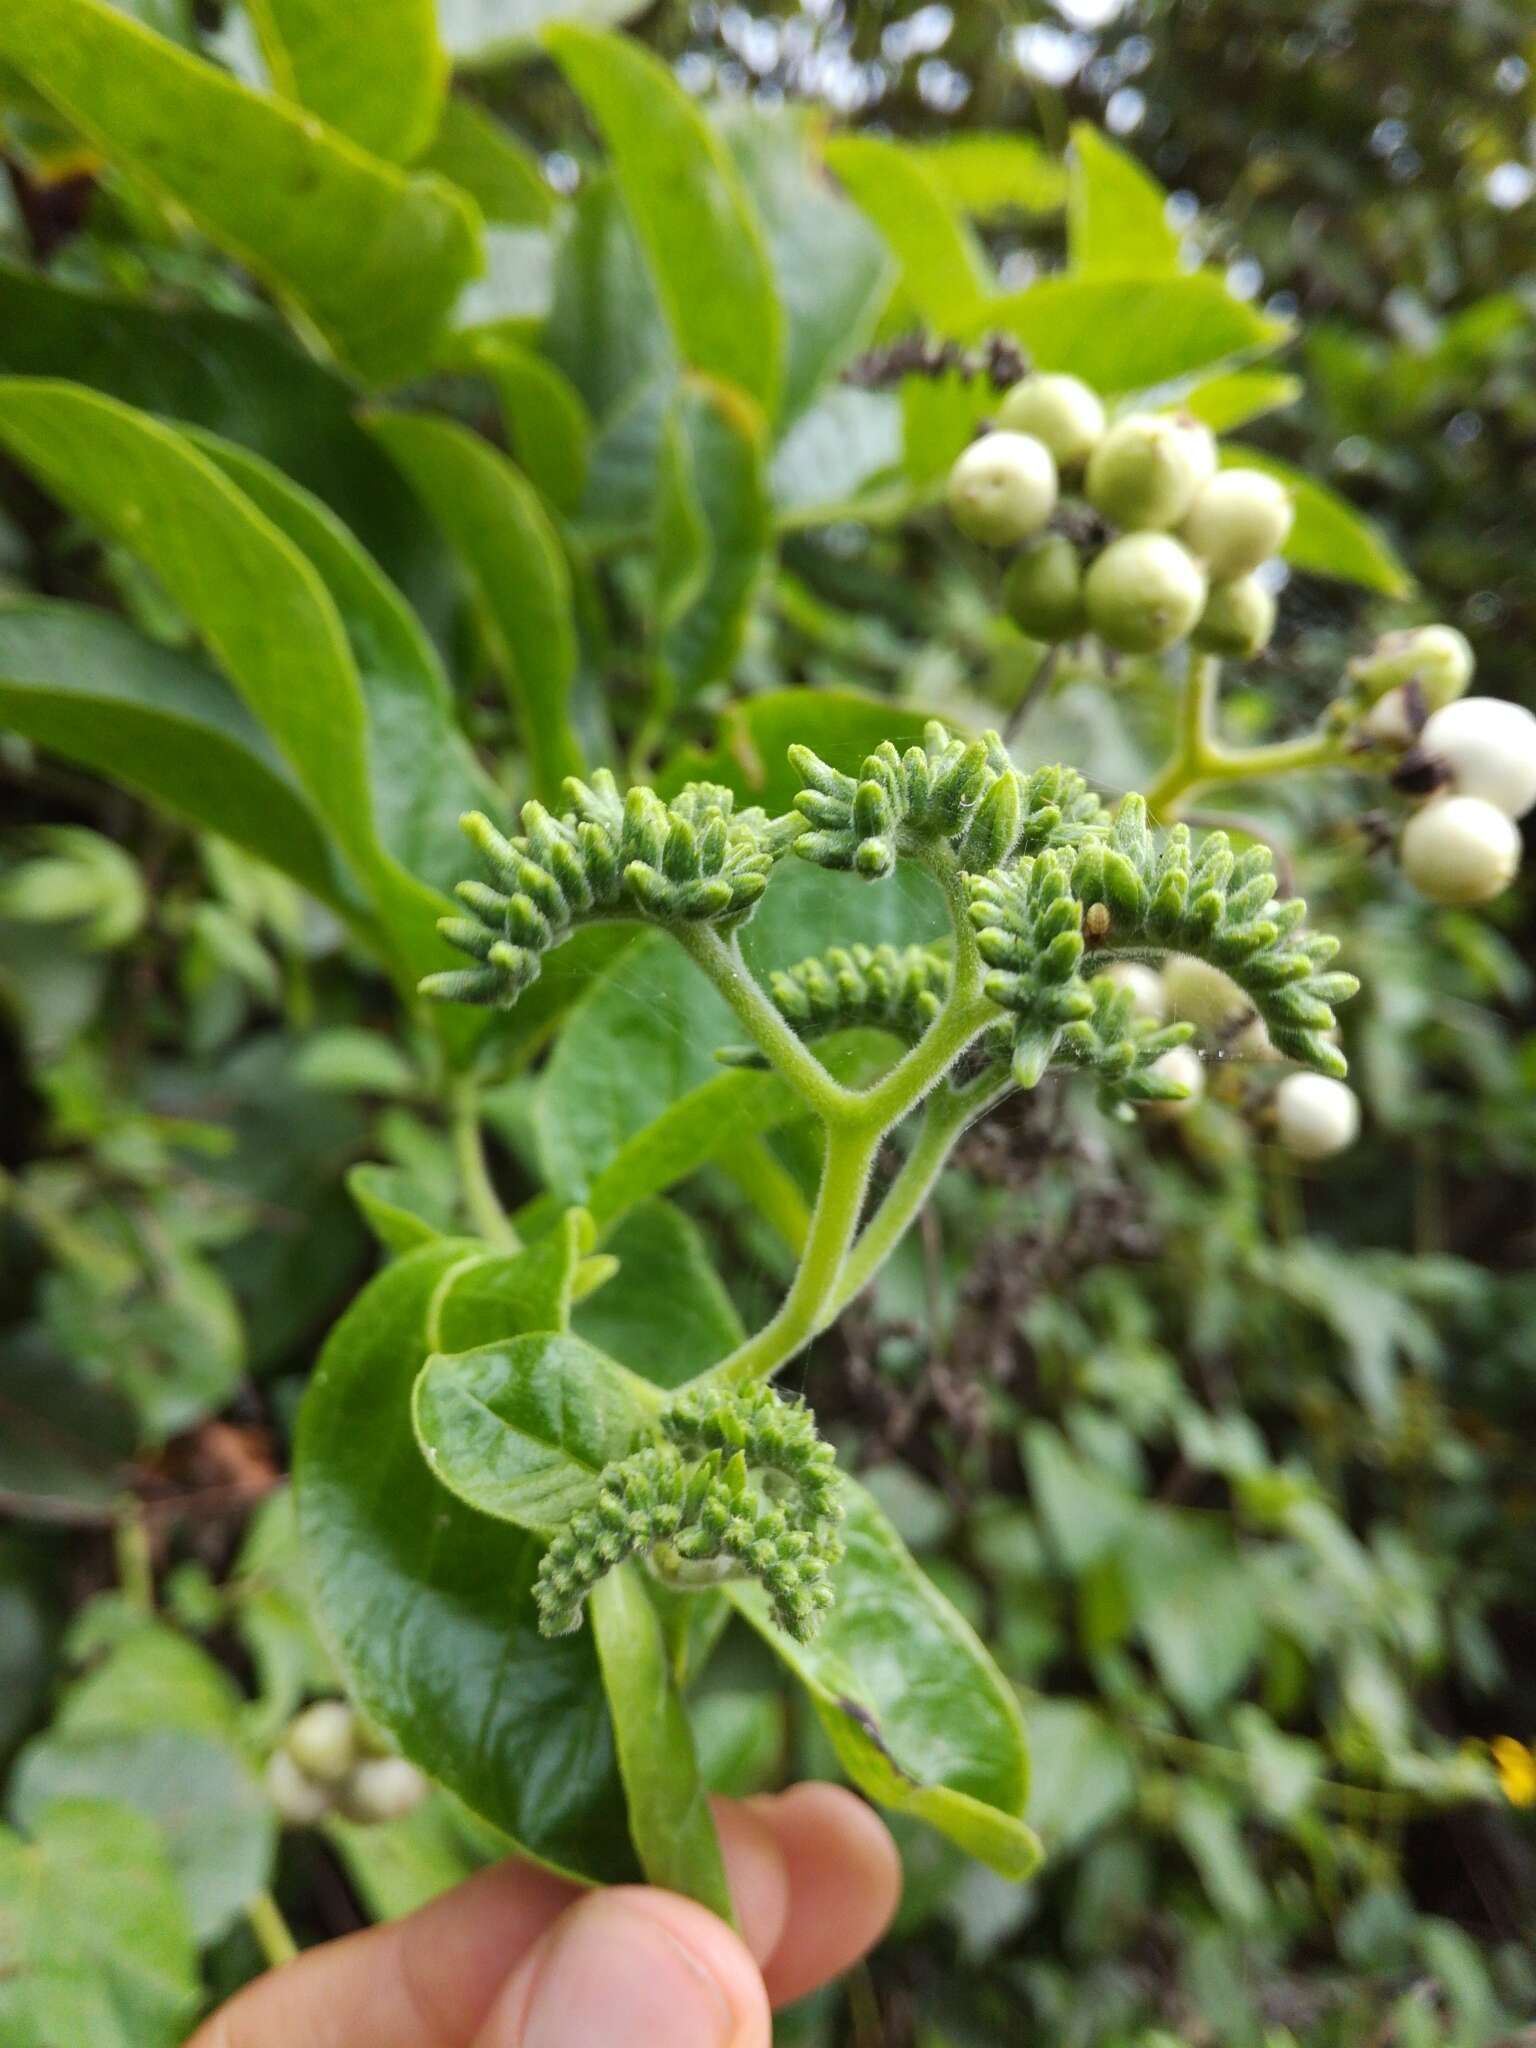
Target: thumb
{"x": 634, "y": 1968}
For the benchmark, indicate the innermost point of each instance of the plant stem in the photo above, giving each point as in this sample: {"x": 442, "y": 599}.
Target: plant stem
{"x": 135, "y": 1565}
{"x": 1199, "y": 758}
{"x": 480, "y": 1196}
{"x": 723, "y": 963}
{"x": 273, "y": 1935}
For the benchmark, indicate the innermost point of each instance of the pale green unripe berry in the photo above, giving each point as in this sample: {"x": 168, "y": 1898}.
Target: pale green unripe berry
{"x": 1003, "y": 489}
{"x": 1043, "y": 590}
{"x": 1437, "y": 659}
{"x": 1060, "y": 411}
{"x": 382, "y": 1788}
{"x": 1202, "y": 995}
{"x": 1316, "y": 1116}
{"x": 322, "y": 1741}
{"x": 1183, "y": 1065}
{"x": 300, "y": 1800}
{"x": 1489, "y": 746}
{"x": 1240, "y": 518}
{"x": 1459, "y": 850}
{"x": 1144, "y": 593}
{"x": 1239, "y": 619}
{"x": 1149, "y": 468}
{"x": 1148, "y": 996}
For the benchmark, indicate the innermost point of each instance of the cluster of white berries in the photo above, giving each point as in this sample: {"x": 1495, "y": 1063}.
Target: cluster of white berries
{"x": 1185, "y": 537}
{"x": 1472, "y": 760}
{"x": 1310, "y": 1115}
{"x": 331, "y": 1761}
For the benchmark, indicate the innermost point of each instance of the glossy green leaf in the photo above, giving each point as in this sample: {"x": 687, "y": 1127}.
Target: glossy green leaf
{"x": 669, "y": 1816}
{"x": 1129, "y": 334}
{"x": 484, "y": 33}
{"x": 94, "y": 1941}
{"x": 1117, "y": 213}
{"x": 428, "y": 1606}
{"x": 944, "y": 270}
{"x": 482, "y": 156}
{"x": 991, "y": 175}
{"x": 493, "y": 518}
{"x": 383, "y": 88}
{"x": 85, "y": 685}
{"x": 213, "y": 1817}
{"x": 504, "y": 1294}
{"x": 689, "y": 207}
{"x": 741, "y": 1740}
{"x": 394, "y": 1207}
{"x": 1329, "y": 536}
{"x": 421, "y": 772}
{"x": 260, "y": 604}
{"x": 920, "y": 1717}
{"x": 375, "y": 258}
{"x": 547, "y": 424}
{"x": 726, "y": 456}
{"x": 666, "y": 1312}
{"x": 1238, "y": 396}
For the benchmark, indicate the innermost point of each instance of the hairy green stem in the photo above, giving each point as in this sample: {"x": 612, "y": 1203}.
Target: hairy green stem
{"x": 273, "y": 1935}
{"x": 1199, "y": 759}
{"x": 480, "y": 1196}
{"x": 723, "y": 964}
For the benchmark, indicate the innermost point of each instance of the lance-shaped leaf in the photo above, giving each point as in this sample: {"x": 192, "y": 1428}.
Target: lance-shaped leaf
{"x": 1117, "y": 221}
{"x": 383, "y": 88}
{"x": 944, "y": 269}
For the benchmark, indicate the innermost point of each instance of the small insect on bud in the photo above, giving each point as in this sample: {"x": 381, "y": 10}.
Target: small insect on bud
{"x": 381, "y": 1788}
{"x": 1097, "y": 920}
{"x": 1459, "y": 850}
{"x": 1060, "y": 411}
{"x": 1148, "y": 997}
{"x": 1148, "y": 469}
{"x": 1043, "y": 590}
{"x": 322, "y": 1741}
{"x": 1437, "y": 659}
{"x": 1183, "y": 1066}
{"x": 1002, "y": 489}
{"x": 1239, "y": 619}
{"x": 1488, "y": 746}
{"x": 1239, "y": 520}
{"x": 300, "y": 1800}
{"x": 1315, "y": 1117}
{"x": 1144, "y": 593}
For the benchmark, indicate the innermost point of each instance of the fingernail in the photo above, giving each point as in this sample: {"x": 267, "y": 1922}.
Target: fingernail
{"x": 615, "y": 1973}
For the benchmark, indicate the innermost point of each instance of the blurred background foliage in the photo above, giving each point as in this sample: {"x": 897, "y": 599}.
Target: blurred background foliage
{"x": 1231, "y": 1461}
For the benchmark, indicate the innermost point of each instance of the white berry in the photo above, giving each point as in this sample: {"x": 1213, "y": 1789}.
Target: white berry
{"x": 1489, "y": 746}
{"x": 1183, "y": 1065}
{"x": 300, "y": 1800}
{"x": 1003, "y": 489}
{"x": 1459, "y": 850}
{"x": 1316, "y": 1116}
{"x": 1148, "y": 997}
{"x": 1148, "y": 469}
{"x": 1390, "y": 720}
{"x": 322, "y": 1741}
{"x": 1239, "y": 520}
{"x": 1060, "y": 411}
{"x": 383, "y": 1788}
{"x": 1437, "y": 660}
{"x": 1144, "y": 592}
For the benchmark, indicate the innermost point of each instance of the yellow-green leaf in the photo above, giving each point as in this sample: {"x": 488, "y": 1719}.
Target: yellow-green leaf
{"x": 1117, "y": 223}
{"x": 380, "y": 81}
{"x": 944, "y": 270}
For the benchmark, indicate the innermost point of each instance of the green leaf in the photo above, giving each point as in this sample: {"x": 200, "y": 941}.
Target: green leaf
{"x": 154, "y": 1679}
{"x": 94, "y": 1941}
{"x": 64, "y": 1443}
{"x": 548, "y": 427}
{"x": 689, "y": 207}
{"x": 1238, "y": 396}
{"x": 494, "y": 520}
{"x": 920, "y": 1717}
{"x": 666, "y": 1312}
{"x": 991, "y": 175}
{"x": 482, "y": 156}
{"x": 504, "y": 1294}
{"x": 375, "y": 258}
{"x": 710, "y": 1119}
{"x": 944, "y": 270}
{"x": 260, "y": 604}
{"x": 1206, "y": 1822}
{"x": 214, "y": 1818}
{"x": 1084, "y": 1511}
{"x": 404, "y": 1864}
{"x": 347, "y": 1059}
{"x": 428, "y": 1606}
{"x": 1083, "y": 1771}
{"x": 163, "y": 724}
{"x": 1329, "y": 536}
{"x": 669, "y": 1814}
{"x": 607, "y": 330}
{"x": 726, "y": 458}
{"x": 380, "y": 83}
{"x": 1128, "y": 334}
{"x": 421, "y": 772}
{"x": 520, "y": 1430}
{"x": 1117, "y": 218}
{"x": 841, "y": 459}
{"x": 395, "y": 1207}
{"x": 482, "y": 33}
{"x": 741, "y": 1738}
{"x": 1194, "y": 1603}
{"x": 751, "y": 755}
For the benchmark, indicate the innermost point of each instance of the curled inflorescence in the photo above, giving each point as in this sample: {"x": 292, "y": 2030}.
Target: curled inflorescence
{"x": 693, "y": 859}
{"x": 899, "y": 989}
{"x": 741, "y": 1487}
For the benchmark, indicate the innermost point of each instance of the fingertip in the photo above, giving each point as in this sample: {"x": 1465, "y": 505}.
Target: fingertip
{"x": 844, "y": 1884}
{"x": 756, "y": 1872}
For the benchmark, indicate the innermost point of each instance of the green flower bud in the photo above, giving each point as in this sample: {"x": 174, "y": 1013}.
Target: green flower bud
{"x": 1459, "y": 850}
{"x": 1436, "y": 659}
{"x": 1147, "y": 470}
{"x": 322, "y": 1740}
{"x": 1239, "y": 618}
{"x": 1003, "y": 489}
{"x": 1240, "y": 518}
{"x": 1044, "y": 589}
{"x": 1060, "y": 411}
{"x": 1315, "y": 1116}
{"x": 1144, "y": 593}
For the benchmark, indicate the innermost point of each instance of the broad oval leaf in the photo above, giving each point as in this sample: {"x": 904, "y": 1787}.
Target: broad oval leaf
{"x": 374, "y": 257}
{"x": 723, "y": 445}
{"x": 944, "y": 270}
{"x": 504, "y": 1294}
{"x": 666, "y": 1312}
{"x": 989, "y": 175}
{"x": 921, "y": 1718}
{"x": 1117, "y": 221}
{"x": 718, "y": 1114}
{"x": 428, "y": 1606}
{"x": 383, "y": 88}
{"x": 521, "y": 1430}
{"x": 690, "y": 210}
{"x": 1329, "y": 536}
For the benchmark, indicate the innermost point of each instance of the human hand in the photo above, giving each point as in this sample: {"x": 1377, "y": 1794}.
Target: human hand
{"x": 516, "y": 1958}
